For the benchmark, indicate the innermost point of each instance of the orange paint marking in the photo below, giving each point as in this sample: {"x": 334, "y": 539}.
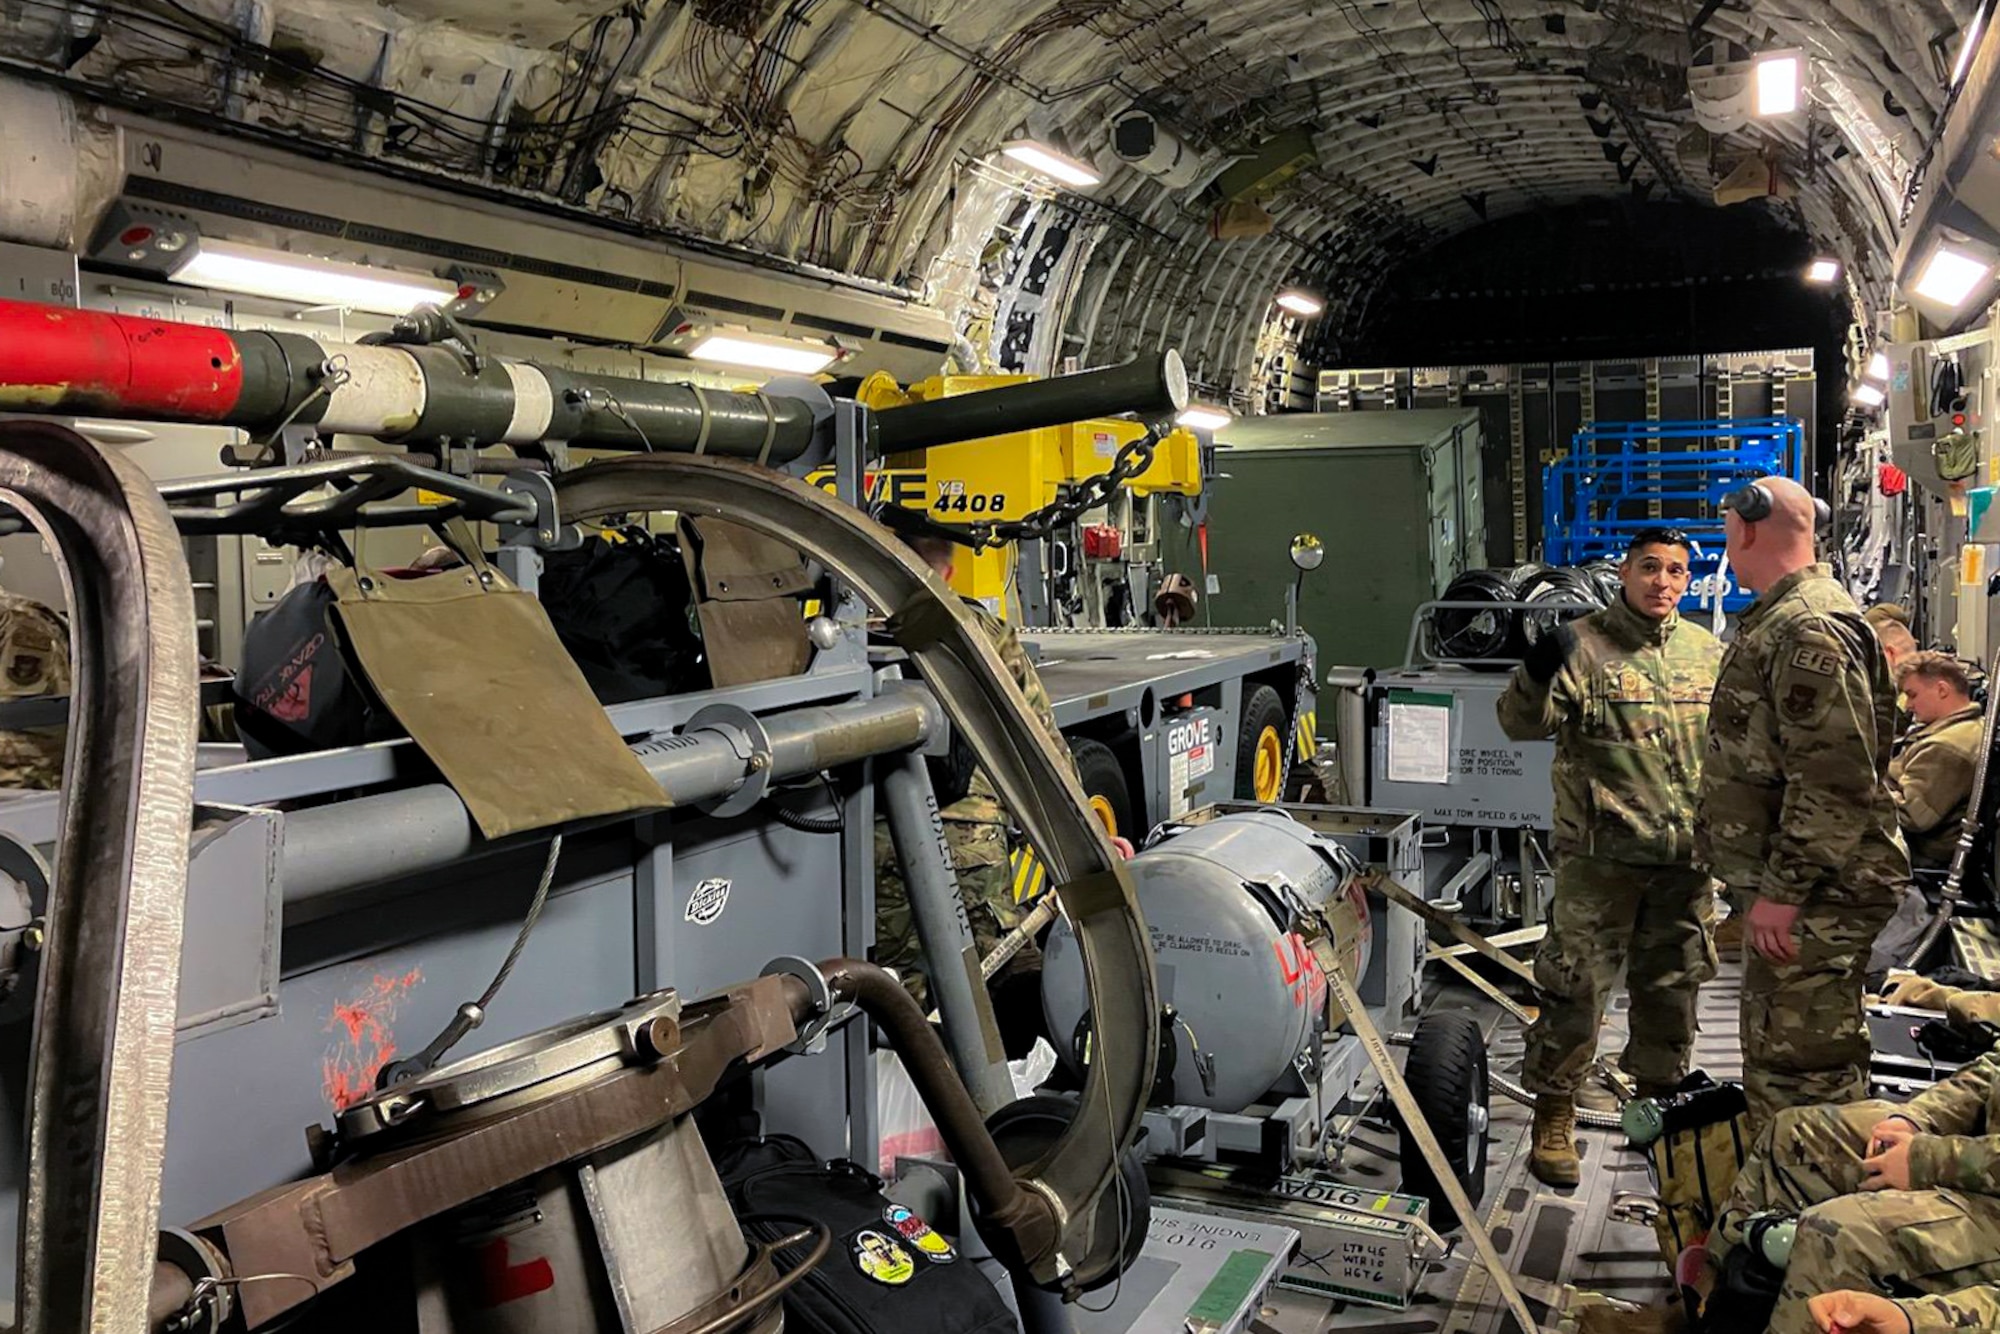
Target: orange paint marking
{"x": 364, "y": 1038}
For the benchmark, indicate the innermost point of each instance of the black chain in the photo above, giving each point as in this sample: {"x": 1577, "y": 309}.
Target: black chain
{"x": 1132, "y": 460}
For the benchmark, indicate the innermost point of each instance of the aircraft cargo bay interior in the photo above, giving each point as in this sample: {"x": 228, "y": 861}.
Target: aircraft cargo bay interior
{"x": 1046, "y": 667}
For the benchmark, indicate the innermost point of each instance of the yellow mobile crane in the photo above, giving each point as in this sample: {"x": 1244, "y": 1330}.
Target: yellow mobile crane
{"x": 1005, "y": 479}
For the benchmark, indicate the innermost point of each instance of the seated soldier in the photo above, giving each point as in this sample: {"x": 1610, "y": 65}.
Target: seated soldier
{"x": 1934, "y": 762}
{"x": 34, "y": 661}
{"x": 1850, "y": 1312}
{"x": 1965, "y": 999}
{"x": 1892, "y": 628}
{"x": 1886, "y": 1195}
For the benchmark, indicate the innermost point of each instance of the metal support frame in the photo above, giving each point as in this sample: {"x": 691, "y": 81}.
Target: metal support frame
{"x": 417, "y": 829}
{"x": 1388, "y": 888}
{"x": 850, "y": 451}
{"x": 1517, "y": 464}
{"x": 1653, "y": 415}
{"x": 1031, "y": 583}
{"x": 958, "y": 990}
{"x": 1033, "y": 779}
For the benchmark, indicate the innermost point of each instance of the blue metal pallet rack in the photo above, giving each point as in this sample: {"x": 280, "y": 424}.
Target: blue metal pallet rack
{"x": 1621, "y": 477}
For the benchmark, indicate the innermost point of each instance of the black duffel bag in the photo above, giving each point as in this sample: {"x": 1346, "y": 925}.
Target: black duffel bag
{"x": 888, "y": 1272}
{"x": 296, "y": 693}
{"x": 622, "y": 609}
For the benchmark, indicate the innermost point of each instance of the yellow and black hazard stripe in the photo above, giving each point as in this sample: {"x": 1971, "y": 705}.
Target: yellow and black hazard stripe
{"x": 1307, "y": 744}
{"x": 1030, "y": 876}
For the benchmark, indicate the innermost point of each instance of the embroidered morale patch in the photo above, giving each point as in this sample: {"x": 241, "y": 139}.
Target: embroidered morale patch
{"x": 1818, "y": 661}
{"x": 919, "y": 1234}
{"x": 1800, "y": 701}
{"x": 881, "y": 1259}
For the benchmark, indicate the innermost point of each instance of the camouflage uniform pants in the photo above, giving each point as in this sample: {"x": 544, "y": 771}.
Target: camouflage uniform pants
{"x": 1655, "y": 922}
{"x": 1805, "y": 1039}
{"x": 985, "y": 884}
{"x": 1808, "y": 1162}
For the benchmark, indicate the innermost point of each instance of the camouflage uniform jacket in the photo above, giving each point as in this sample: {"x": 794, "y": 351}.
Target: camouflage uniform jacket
{"x": 1932, "y": 770}
{"x": 981, "y": 803}
{"x": 1967, "y": 1308}
{"x": 1959, "y": 1120}
{"x": 34, "y": 661}
{"x": 1795, "y": 804}
{"x": 1628, "y": 709}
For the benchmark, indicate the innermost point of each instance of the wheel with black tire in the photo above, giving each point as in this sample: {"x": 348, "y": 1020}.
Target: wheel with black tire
{"x": 1103, "y": 780}
{"x": 1260, "y": 746}
{"x": 1446, "y": 1072}
{"x": 1026, "y": 1130}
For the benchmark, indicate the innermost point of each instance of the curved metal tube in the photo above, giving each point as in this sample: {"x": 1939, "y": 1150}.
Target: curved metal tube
{"x": 104, "y": 1037}
{"x": 1033, "y": 778}
{"x": 988, "y": 1179}
{"x": 1968, "y": 834}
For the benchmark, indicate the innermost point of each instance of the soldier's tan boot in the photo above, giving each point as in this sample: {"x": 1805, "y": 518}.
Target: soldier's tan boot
{"x": 1554, "y": 1160}
{"x": 1594, "y": 1097}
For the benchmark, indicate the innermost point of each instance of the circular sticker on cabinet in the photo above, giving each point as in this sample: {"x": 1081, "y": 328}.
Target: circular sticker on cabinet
{"x": 919, "y": 1234}
{"x": 882, "y": 1259}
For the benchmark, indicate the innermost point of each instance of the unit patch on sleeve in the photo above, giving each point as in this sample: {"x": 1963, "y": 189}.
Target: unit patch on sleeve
{"x": 1800, "y": 702}
{"x": 1818, "y": 661}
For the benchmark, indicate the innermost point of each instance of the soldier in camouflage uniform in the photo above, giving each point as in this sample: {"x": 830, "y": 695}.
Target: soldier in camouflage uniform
{"x": 975, "y": 829}
{"x": 1886, "y": 1193}
{"x": 1933, "y": 764}
{"x": 1892, "y": 627}
{"x": 1796, "y": 808}
{"x": 1624, "y": 692}
{"x": 34, "y": 661}
{"x": 1849, "y": 1312}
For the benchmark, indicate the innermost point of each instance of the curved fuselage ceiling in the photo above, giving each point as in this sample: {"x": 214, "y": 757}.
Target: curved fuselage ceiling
{"x": 857, "y": 144}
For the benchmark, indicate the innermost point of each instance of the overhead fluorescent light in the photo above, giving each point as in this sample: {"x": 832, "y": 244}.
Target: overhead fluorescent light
{"x": 1867, "y": 396}
{"x": 1780, "y": 75}
{"x": 1950, "y": 277}
{"x": 227, "y": 266}
{"x": 1300, "y": 303}
{"x": 764, "y": 352}
{"x": 1822, "y": 270}
{"x": 1202, "y": 417}
{"x": 1878, "y": 368}
{"x": 1039, "y": 157}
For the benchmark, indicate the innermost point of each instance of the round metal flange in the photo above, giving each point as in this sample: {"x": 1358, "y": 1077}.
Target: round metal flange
{"x": 747, "y": 733}
{"x": 540, "y": 1065}
{"x": 788, "y": 965}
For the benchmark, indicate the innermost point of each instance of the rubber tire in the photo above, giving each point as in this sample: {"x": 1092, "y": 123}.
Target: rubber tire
{"x": 1026, "y": 1129}
{"x": 1262, "y": 707}
{"x": 1446, "y": 1072}
{"x": 1102, "y": 776}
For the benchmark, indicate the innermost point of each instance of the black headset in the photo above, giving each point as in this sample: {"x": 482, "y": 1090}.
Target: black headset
{"x": 1753, "y": 502}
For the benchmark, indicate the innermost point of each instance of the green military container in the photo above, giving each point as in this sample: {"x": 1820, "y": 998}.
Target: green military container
{"x": 1395, "y": 496}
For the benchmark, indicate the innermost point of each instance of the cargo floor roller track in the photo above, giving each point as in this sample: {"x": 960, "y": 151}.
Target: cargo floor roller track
{"x": 1577, "y": 1237}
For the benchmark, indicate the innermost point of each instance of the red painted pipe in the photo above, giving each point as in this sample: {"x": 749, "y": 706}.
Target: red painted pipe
{"x": 56, "y": 359}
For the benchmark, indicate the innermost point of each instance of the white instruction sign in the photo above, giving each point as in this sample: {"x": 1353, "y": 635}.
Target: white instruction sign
{"x": 1419, "y": 737}
{"x": 1190, "y": 758}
